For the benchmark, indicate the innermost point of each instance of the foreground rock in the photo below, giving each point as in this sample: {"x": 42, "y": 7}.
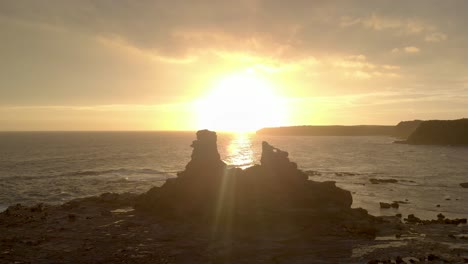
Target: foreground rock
{"x": 106, "y": 230}
{"x": 272, "y": 197}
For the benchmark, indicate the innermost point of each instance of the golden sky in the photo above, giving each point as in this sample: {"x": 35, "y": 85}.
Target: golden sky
{"x": 186, "y": 65}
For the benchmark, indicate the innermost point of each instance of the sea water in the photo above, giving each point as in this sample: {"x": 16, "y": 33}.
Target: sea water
{"x": 55, "y": 167}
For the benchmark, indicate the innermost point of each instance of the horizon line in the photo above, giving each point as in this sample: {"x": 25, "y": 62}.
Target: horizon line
{"x": 192, "y": 130}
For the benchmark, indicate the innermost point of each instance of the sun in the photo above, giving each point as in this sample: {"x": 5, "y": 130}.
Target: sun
{"x": 242, "y": 102}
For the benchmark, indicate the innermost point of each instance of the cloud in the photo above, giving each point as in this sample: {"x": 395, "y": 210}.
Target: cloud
{"x": 435, "y": 37}
{"x": 347, "y": 21}
{"x": 411, "y": 49}
{"x": 170, "y": 30}
{"x": 408, "y": 49}
{"x": 268, "y": 64}
{"x": 358, "y": 62}
{"x": 176, "y": 31}
{"x": 358, "y": 75}
{"x": 391, "y": 67}
{"x": 400, "y": 26}
{"x": 358, "y": 67}
{"x": 404, "y": 26}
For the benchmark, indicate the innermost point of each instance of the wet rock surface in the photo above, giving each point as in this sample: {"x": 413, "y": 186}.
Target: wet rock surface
{"x": 269, "y": 213}
{"x": 440, "y": 220}
{"x": 112, "y": 232}
{"x": 389, "y": 205}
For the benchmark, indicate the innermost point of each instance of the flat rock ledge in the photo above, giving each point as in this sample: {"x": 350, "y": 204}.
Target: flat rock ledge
{"x": 268, "y": 213}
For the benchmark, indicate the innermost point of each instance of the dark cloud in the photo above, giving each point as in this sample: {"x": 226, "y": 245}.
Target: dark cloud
{"x": 303, "y": 26}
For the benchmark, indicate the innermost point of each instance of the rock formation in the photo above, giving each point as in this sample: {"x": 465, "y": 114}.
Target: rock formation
{"x": 205, "y": 154}
{"x": 194, "y": 191}
{"x": 274, "y": 193}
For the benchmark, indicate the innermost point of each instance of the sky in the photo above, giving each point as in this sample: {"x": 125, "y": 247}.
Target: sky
{"x": 159, "y": 65}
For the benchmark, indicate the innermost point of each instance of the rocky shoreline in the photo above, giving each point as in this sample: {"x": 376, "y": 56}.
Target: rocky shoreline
{"x": 106, "y": 229}
{"x": 269, "y": 213}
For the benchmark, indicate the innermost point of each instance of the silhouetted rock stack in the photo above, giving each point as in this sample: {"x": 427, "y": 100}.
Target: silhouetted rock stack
{"x": 194, "y": 191}
{"x": 205, "y": 154}
{"x": 277, "y": 160}
{"x": 275, "y": 195}
{"x": 284, "y": 184}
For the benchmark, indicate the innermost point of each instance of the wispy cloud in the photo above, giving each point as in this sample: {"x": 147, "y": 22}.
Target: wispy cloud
{"x": 407, "y": 49}
{"x": 100, "y": 108}
{"x": 411, "y": 49}
{"x": 435, "y": 37}
{"x": 359, "y": 67}
{"x": 399, "y": 26}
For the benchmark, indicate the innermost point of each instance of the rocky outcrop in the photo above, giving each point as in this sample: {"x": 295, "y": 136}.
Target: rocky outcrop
{"x": 274, "y": 193}
{"x": 440, "y": 132}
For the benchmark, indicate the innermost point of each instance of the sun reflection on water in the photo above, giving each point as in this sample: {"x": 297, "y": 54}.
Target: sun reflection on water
{"x": 240, "y": 152}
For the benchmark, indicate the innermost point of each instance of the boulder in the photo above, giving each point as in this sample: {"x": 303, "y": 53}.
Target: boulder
{"x": 389, "y": 205}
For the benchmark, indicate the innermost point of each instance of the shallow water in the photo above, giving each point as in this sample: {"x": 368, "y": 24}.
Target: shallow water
{"x": 54, "y": 167}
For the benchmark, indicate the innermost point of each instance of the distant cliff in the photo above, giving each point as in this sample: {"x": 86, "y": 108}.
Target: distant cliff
{"x": 405, "y": 128}
{"x": 440, "y": 132}
{"x": 329, "y": 131}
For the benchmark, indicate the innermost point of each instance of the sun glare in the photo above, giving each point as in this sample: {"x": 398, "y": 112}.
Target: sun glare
{"x": 242, "y": 102}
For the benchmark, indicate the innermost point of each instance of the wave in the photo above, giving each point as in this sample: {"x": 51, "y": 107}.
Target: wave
{"x": 87, "y": 173}
{"x": 118, "y": 171}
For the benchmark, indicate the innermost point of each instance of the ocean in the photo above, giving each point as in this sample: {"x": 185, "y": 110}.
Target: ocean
{"x": 55, "y": 167}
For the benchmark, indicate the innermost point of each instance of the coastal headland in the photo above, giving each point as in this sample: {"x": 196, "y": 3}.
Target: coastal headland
{"x": 440, "y": 132}
{"x": 268, "y": 213}
{"x": 416, "y": 132}
{"x": 402, "y": 130}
